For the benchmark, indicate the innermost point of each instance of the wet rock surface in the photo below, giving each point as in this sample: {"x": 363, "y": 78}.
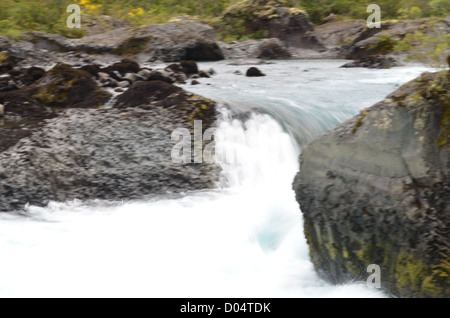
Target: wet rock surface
{"x": 376, "y": 190}
{"x": 59, "y": 142}
{"x": 254, "y": 72}
{"x": 115, "y": 154}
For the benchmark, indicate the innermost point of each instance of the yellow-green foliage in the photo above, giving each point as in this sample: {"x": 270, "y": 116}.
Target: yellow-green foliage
{"x": 360, "y": 120}
{"x": 384, "y": 44}
{"x": 414, "y": 277}
{"x": 50, "y": 16}
{"x": 444, "y": 137}
{"x": 425, "y": 48}
{"x": 50, "y": 95}
{"x": 201, "y": 106}
{"x": 3, "y": 56}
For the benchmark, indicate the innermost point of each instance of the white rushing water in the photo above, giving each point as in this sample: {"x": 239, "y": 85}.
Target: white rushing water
{"x": 245, "y": 240}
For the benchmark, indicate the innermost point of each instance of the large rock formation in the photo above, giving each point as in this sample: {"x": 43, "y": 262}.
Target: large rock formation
{"x": 277, "y": 19}
{"x": 169, "y": 42}
{"x": 59, "y": 142}
{"x": 269, "y": 49}
{"x": 356, "y": 41}
{"x": 376, "y": 190}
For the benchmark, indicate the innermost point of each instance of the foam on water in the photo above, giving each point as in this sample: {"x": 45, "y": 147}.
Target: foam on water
{"x": 243, "y": 241}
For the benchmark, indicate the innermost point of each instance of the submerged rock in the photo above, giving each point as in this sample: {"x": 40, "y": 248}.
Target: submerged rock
{"x": 254, "y": 72}
{"x": 376, "y": 190}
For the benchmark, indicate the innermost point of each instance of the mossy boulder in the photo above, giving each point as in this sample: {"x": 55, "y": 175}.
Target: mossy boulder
{"x": 47, "y": 93}
{"x": 123, "y": 67}
{"x": 376, "y": 190}
{"x": 276, "y": 18}
{"x": 150, "y": 94}
{"x": 66, "y": 87}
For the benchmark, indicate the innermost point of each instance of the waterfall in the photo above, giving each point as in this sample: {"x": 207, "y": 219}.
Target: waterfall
{"x": 244, "y": 239}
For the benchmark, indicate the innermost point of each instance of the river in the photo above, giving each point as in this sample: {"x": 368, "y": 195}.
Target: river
{"x": 244, "y": 239}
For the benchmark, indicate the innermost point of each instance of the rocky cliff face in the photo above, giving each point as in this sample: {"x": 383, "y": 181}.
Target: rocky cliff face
{"x": 376, "y": 190}
{"x": 356, "y": 41}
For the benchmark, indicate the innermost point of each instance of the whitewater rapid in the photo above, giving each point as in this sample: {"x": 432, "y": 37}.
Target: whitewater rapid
{"x": 244, "y": 239}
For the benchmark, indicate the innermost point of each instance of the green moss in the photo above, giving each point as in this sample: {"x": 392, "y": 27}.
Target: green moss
{"x": 425, "y": 47}
{"x": 385, "y": 44}
{"x": 332, "y": 250}
{"x": 201, "y": 109}
{"x": 443, "y": 139}
{"x": 415, "y": 278}
{"x": 344, "y": 253}
{"x": 3, "y": 56}
{"x": 50, "y": 96}
{"x": 360, "y": 120}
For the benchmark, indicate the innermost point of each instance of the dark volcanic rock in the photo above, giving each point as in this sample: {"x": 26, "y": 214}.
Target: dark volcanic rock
{"x": 379, "y": 62}
{"x": 7, "y": 61}
{"x": 157, "y": 76}
{"x": 376, "y": 190}
{"x": 27, "y": 107}
{"x": 203, "y": 51}
{"x": 141, "y": 93}
{"x": 62, "y": 86}
{"x": 32, "y": 75}
{"x": 92, "y": 69}
{"x": 122, "y": 153}
{"x": 254, "y": 72}
{"x": 99, "y": 154}
{"x": 123, "y": 67}
{"x": 189, "y": 67}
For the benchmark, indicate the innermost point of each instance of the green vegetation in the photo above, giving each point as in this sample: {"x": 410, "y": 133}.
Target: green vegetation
{"x": 424, "y": 48}
{"x": 390, "y": 9}
{"x": 17, "y": 16}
